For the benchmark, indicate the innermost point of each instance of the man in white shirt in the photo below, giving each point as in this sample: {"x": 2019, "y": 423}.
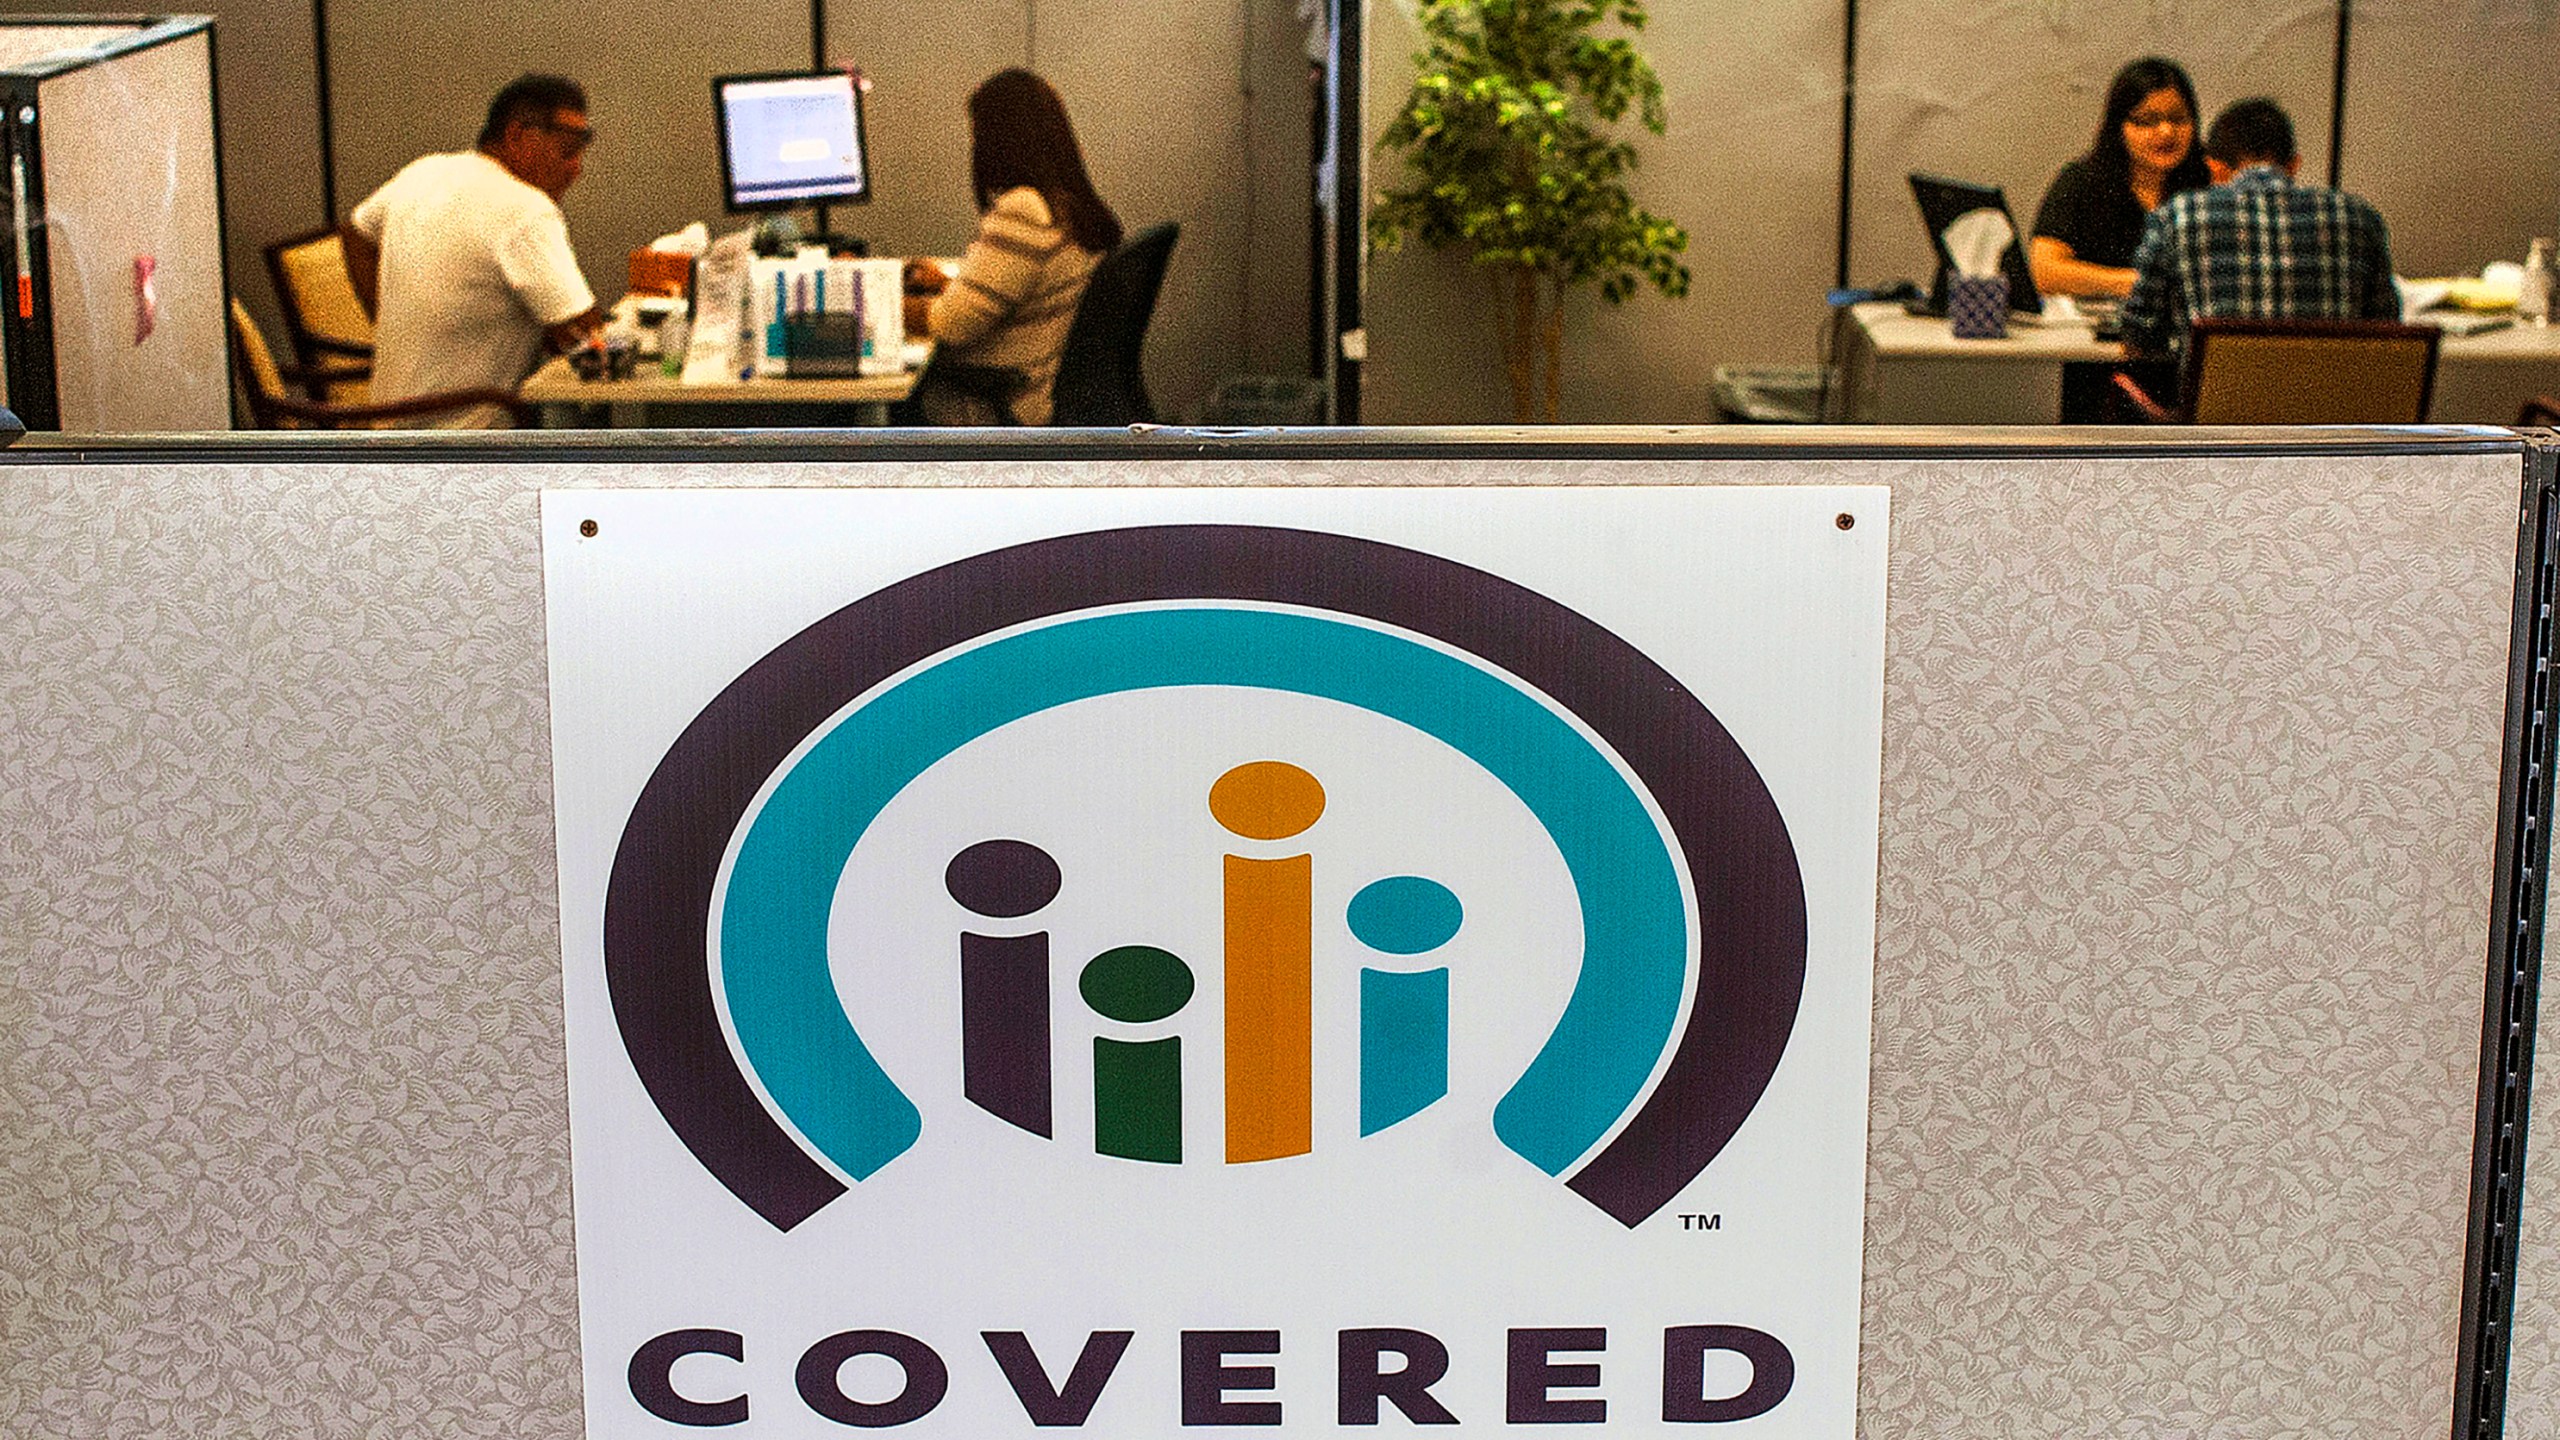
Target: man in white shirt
{"x": 464, "y": 258}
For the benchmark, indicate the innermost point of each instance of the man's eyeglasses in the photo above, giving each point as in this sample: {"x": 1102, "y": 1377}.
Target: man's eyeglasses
{"x": 576, "y": 138}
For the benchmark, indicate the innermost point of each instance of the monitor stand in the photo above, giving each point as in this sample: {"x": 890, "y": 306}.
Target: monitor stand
{"x": 852, "y": 247}
{"x": 782, "y": 234}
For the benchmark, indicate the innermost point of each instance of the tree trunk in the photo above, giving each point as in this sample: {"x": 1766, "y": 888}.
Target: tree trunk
{"x": 1516, "y": 289}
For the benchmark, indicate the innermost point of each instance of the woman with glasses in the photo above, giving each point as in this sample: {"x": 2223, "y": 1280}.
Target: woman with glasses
{"x": 2145, "y": 151}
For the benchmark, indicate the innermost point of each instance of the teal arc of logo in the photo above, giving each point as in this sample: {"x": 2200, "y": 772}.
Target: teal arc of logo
{"x": 773, "y": 922}
{"x": 1745, "y": 925}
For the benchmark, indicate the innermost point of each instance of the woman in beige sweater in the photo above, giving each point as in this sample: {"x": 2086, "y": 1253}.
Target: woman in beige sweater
{"x": 1041, "y": 229}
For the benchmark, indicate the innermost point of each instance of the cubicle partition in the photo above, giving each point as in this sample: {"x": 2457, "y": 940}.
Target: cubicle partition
{"x": 115, "y": 320}
{"x": 2208, "y": 917}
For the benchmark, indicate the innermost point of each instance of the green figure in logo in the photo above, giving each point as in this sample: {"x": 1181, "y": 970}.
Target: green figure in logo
{"x": 1137, "y": 1084}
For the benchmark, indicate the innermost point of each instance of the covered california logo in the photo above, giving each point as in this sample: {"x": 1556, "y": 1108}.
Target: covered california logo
{"x": 725, "y": 886}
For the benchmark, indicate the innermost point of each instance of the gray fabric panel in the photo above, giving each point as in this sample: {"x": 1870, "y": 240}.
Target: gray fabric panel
{"x": 2190, "y": 770}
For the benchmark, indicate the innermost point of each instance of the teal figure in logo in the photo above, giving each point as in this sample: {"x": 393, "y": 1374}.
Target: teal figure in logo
{"x": 1404, "y": 1014}
{"x": 1137, "y": 1084}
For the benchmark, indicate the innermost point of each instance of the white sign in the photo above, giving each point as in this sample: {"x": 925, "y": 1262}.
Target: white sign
{"x": 1149, "y": 961}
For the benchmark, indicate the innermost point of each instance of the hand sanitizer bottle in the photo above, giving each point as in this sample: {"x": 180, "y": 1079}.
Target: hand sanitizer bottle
{"x": 2533, "y": 291}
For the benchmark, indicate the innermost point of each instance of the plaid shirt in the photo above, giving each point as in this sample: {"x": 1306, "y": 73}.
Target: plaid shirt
{"x": 2258, "y": 248}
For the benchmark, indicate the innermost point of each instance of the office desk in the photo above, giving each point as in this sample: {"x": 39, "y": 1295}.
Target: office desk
{"x": 655, "y": 401}
{"x": 1902, "y": 369}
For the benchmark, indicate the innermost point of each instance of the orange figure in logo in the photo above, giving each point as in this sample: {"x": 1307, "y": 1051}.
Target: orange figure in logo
{"x": 1270, "y": 948}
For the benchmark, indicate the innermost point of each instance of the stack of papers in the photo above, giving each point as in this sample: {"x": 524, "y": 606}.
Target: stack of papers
{"x": 2464, "y": 304}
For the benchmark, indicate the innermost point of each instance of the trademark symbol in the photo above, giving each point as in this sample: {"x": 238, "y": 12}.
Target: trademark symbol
{"x": 1702, "y": 1222}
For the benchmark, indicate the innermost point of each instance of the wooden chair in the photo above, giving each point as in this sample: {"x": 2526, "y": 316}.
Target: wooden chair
{"x": 326, "y": 325}
{"x": 2301, "y": 372}
{"x": 272, "y": 407}
{"x": 2540, "y": 410}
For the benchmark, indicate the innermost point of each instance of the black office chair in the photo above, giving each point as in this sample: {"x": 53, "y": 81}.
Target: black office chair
{"x": 1100, "y": 380}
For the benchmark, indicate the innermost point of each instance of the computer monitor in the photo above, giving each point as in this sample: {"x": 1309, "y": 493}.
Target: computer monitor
{"x": 794, "y": 139}
{"x": 1941, "y": 201}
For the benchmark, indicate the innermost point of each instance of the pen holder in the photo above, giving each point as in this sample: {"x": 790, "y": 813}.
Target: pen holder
{"x": 1977, "y": 307}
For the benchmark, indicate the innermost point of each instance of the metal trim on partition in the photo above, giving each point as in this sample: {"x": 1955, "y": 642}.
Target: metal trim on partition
{"x": 1161, "y": 442}
{"x": 221, "y": 213}
{"x": 2510, "y": 1004}
{"x": 2337, "y": 96}
{"x": 151, "y": 30}
{"x": 328, "y": 139}
{"x": 1346, "y": 56}
{"x": 1848, "y": 136}
{"x": 27, "y": 314}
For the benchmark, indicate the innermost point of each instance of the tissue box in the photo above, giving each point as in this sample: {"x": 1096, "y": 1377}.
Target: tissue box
{"x": 1978, "y": 308}
{"x": 660, "y": 272}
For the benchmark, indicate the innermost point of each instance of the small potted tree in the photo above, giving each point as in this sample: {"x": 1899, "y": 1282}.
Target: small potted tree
{"x": 1513, "y": 164}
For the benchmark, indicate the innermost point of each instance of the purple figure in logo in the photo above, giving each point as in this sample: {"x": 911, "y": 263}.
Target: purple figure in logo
{"x": 1004, "y": 981}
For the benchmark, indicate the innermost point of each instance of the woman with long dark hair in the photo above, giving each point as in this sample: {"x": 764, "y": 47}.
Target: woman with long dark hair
{"x": 1041, "y": 229}
{"x": 2145, "y": 151}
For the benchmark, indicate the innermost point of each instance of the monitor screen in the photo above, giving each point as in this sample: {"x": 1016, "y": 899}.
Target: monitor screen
{"x": 1941, "y": 201}
{"x": 791, "y": 140}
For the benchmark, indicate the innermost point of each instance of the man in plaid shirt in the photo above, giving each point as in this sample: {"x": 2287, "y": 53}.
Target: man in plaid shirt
{"x": 2258, "y": 245}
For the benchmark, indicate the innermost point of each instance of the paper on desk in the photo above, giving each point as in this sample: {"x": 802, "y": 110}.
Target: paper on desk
{"x": 719, "y": 311}
{"x": 2417, "y": 296}
{"x": 2496, "y": 287}
{"x": 1975, "y": 241}
{"x": 691, "y": 240}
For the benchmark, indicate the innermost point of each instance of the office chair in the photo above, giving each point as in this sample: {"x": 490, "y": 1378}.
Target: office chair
{"x": 2540, "y": 410}
{"x": 2301, "y": 372}
{"x": 326, "y": 325}
{"x": 1100, "y": 380}
{"x": 271, "y": 407}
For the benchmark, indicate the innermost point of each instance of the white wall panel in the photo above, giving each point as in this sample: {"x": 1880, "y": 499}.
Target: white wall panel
{"x": 1157, "y": 92}
{"x": 127, "y": 150}
{"x": 266, "y": 80}
{"x": 922, "y": 66}
{"x": 1749, "y": 166}
{"x": 1278, "y": 186}
{"x": 2006, "y": 92}
{"x": 2453, "y": 127}
{"x": 409, "y": 79}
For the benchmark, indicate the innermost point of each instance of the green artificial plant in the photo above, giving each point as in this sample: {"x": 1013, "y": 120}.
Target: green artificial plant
{"x": 1513, "y": 164}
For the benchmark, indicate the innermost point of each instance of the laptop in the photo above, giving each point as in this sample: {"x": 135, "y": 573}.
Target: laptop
{"x": 1942, "y": 199}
